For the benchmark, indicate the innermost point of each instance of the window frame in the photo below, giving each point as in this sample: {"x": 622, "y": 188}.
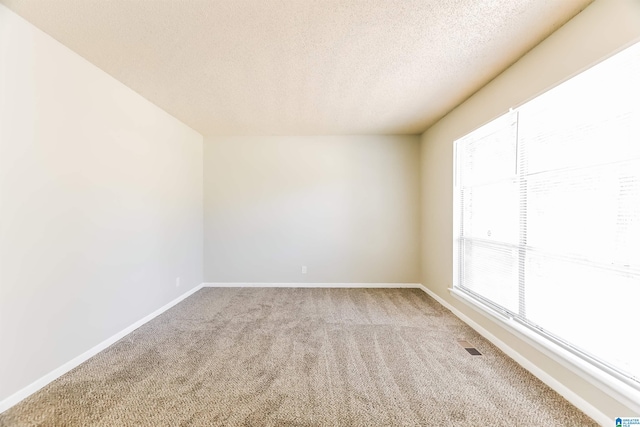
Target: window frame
{"x": 597, "y": 373}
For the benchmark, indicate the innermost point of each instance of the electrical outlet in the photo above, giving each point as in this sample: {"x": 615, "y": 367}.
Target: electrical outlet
{"x": 177, "y": 282}
{"x": 304, "y": 269}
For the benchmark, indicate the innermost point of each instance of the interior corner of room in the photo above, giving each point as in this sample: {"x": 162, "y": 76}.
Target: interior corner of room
{"x": 112, "y": 210}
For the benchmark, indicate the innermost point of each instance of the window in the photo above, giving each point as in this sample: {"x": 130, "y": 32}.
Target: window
{"x": 547, "y": 215}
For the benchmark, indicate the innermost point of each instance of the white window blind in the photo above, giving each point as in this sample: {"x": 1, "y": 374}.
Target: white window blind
{"x": 547, "y": 214}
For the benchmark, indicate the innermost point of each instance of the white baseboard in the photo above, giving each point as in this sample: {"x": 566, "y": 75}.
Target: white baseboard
{"x": 542, "y": 375}
{"x": 56, "y": 373}
{"x": 53, "y": 375}
{"x": 560, "y": 388}
{"x": 308, "y": 285}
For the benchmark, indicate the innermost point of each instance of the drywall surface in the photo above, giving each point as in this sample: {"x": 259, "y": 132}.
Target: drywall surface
{"x": 347, "y": 207}
{"x": 599, "y": 31}
{"x": 100, "y": 205}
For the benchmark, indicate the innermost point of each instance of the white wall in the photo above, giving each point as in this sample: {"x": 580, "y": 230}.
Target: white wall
{"x": 600, "y": 30}
{"x": 100, "y": 205}
{"x": 347, "y": 207}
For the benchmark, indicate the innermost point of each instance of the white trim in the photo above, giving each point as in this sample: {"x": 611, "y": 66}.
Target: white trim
{"x": 76, "y": 361}
{"x": 617, "y": 389}
{"x": 542, "y": 375}
{"x": 560, "y": 388}
{"x": 308, "y": 285}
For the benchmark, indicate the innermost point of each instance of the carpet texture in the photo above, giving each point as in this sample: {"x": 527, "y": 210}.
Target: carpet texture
{"x": 299, "y": 357}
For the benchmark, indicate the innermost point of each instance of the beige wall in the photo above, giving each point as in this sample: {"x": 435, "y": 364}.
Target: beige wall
{"x": 600, "y": 30}
{"x": 345, "y": 206}
{"x": 101, "y": 198}
{"x": 100, "y": 205}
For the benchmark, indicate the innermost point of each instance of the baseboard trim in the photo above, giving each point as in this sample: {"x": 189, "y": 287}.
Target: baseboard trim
{"x": 577, "y": 401}
{"x": 76, "y": 361}
{"x": 543, "y": 376}
{"x": 308, "y": 285}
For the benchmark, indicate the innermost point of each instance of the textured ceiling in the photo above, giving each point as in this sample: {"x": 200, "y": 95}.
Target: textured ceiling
{"x": 301, "y": 66}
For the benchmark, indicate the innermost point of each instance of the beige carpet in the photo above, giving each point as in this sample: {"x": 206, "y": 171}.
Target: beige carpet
{"x": 299, "y": 357}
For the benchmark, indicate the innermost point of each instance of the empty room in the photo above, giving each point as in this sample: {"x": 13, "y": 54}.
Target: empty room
{"x": 319, "y": 213}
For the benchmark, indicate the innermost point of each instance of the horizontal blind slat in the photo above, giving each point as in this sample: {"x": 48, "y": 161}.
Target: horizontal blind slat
{"x": 563, "y": 227}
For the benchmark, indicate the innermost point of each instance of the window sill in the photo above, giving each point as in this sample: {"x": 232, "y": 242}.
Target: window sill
{"x": 614, "y": 387}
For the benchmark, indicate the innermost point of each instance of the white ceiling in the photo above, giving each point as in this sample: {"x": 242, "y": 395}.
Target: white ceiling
{"x": 301, "y": 66}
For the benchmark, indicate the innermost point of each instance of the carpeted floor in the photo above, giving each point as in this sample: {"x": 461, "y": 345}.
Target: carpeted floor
{"x": 298, "y": 357}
